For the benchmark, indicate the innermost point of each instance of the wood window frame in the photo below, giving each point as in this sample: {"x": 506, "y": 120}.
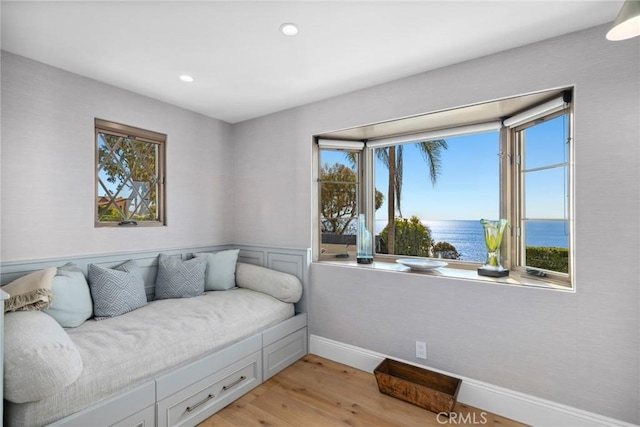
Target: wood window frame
{"x": 143, "y": 135}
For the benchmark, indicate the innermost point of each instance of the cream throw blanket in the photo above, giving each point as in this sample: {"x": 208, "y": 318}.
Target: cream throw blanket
{"x": 30, "y": 292}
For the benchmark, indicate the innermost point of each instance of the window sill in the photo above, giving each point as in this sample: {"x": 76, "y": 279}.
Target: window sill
{"x": 139, "y": 224}
{"x": 514, "y": 278}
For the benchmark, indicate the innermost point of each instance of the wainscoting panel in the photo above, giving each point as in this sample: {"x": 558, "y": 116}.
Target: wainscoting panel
{"x": 286, "y": 263}
{"x": 251, "y": 257}
{"x": 292, "y": 261}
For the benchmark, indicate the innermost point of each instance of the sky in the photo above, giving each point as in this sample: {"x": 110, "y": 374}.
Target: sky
{"x": 468, "y": 186}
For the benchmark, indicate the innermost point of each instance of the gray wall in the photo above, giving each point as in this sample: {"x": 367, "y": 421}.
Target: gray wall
{"x": 48, "y": 152}
{"x": 578, "y": 349}
{"x": 251, "y": 184}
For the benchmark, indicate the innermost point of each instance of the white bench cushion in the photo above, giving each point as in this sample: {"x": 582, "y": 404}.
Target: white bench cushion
{"x": 124, "y": 351}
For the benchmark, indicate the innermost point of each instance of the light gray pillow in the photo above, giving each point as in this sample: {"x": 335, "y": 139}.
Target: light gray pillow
{"x": 40, "y": 359}
{"x": 116, "y": 291}
{"x": 72, "y": 303}
{"x": 283, "y": 286}
{"x": 221, "y": 270}
{"x": 179, "y": 279}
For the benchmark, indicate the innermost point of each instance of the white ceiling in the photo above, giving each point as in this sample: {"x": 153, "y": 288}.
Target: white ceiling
{"x": 244, "y": 67}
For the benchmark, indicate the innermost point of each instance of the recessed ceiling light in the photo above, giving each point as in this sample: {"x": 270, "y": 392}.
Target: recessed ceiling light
{"x": 289, "y": 29}
{"x": 186, "y": 78}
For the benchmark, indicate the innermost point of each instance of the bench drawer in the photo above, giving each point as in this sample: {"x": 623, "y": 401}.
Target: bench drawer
{"x": 283, "y": 353}
{"x": 144, "y": 418}
{"x": 202, "y": 399}
{"x": 133, "y": 408}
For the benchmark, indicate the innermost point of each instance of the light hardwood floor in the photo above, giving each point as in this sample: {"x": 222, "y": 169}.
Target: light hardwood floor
{"x": 319, "y": 392}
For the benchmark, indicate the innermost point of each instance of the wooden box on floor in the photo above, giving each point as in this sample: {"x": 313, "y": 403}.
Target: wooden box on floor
{"x": 427, "y": 389}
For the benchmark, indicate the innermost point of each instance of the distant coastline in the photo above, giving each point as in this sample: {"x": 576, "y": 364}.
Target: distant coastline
{"x": 468, "y": 239}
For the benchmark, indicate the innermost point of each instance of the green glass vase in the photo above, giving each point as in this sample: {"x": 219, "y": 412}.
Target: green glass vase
{"x": 493, "y": 231}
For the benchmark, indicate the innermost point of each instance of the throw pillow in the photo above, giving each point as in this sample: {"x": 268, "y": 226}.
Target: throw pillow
{"x": 283, "y": 286}
{"x": 40, "y": 359}
{"x": 30, "y": 292}
{"x": 72, "y": 303}
{"x": 116, "y": 291}
{"x": 179, "y": 279}
{"x": 221, "y": 270}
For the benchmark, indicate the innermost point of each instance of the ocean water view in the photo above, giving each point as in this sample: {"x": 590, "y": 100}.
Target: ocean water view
{"x": 468, "y": 238}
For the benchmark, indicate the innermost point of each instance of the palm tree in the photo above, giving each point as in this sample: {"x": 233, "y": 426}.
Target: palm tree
{"x": 391, "y": 157}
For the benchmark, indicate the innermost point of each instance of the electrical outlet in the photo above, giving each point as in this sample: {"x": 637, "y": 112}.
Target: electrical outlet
{"x": 421, "y": 350}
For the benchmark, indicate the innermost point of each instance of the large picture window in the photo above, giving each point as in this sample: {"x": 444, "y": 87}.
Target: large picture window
{"x": 424, "y": 187}
{"x": 129, "y": 175}
{"x": 442, "y": 187}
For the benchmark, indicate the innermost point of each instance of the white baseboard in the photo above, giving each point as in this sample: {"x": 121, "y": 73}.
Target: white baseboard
{"x": 498, "y": 400}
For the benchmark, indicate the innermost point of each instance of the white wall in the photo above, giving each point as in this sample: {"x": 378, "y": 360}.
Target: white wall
{"x": 48, "y": 155}
{"x": 580, "y": 349}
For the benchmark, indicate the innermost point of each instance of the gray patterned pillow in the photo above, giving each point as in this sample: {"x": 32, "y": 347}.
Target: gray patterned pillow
{"x": 179, "y": 279}
{"x": 116, "y": 291}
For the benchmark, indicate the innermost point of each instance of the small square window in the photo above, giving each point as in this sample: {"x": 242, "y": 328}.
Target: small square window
{"x": 129, "y": 175}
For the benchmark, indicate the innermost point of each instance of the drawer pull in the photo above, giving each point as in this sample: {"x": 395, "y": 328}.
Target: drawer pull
{"x": 235, "y": 383}
{"x": 202, "y": 402}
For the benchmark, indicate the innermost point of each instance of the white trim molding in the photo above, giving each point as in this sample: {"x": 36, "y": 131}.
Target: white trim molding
{"x": 498, "y": 400}
{"x": 436, "y": 134}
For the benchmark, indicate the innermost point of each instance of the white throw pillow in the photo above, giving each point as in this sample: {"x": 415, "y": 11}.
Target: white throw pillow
{"x": 221, "y": 270}
{"x": 39, "y": 357}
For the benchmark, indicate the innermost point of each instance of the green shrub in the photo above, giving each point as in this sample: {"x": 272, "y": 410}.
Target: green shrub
{"x": 413, "y": 238}
{"x": 109, "y": 214}
{"x": 548, "y": 258}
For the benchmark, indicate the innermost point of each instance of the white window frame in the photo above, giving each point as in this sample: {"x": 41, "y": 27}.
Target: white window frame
{"x": 516, "y": 217}
{"x": 443, "y": 134}
{"x": 344, "y": 146}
